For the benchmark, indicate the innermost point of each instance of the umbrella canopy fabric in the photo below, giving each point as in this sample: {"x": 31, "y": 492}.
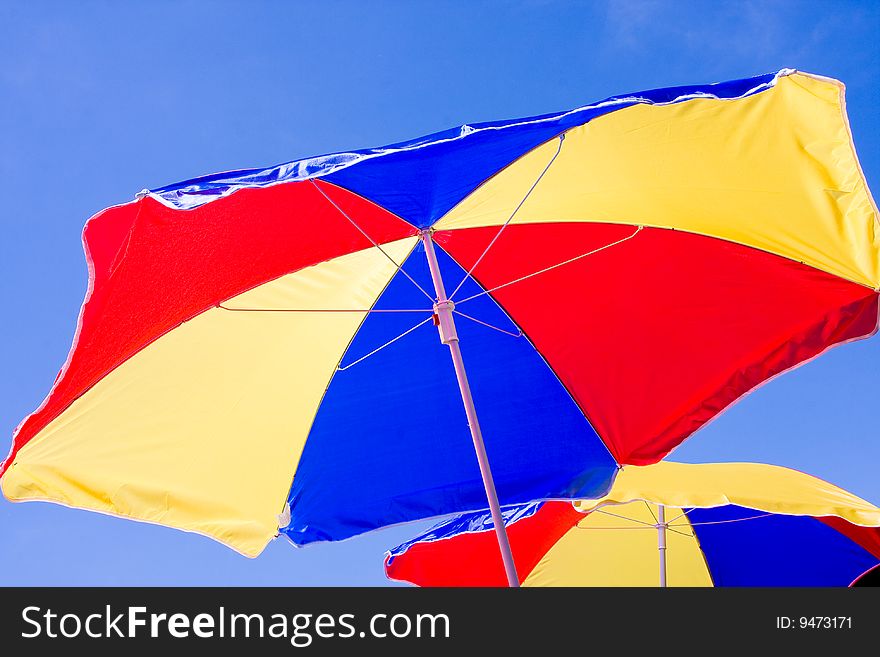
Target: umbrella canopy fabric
{"x": 259, "y": 343}
{"x": 727, "y": 524}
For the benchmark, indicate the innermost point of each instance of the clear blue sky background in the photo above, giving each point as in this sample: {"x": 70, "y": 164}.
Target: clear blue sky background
{"x": 99, "y": 100}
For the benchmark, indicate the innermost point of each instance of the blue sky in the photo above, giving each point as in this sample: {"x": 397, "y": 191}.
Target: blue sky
{"x": 99, "y": 100}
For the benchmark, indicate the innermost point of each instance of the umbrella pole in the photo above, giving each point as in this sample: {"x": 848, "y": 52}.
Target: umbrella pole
{"x": 448, "y": 336}
{"x": 661, "y": 541}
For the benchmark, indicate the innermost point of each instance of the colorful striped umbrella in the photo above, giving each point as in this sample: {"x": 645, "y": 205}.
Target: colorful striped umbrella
{"x": 721, "y": 524}
{"x": 257, "y": 351}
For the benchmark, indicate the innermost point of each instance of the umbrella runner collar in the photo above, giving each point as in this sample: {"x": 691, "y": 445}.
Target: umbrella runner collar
{"x": 443, "y": 321}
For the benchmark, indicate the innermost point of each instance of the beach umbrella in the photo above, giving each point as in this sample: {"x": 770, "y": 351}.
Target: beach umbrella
{"x": 675, "y": 524}
{"x": 258, "y": 353}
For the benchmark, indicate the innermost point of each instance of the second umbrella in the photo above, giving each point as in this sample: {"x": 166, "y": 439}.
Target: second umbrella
{"x": 721, "y": 524}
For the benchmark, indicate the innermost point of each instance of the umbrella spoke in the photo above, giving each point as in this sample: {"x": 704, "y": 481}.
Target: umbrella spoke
{"x": 551, "y": 267}
{"x": 374, "y": 242}
{"x": 617, "y": 529}
{"x": 381, "y": 347}
{"x": 614, "y": 515}
{"x": 510, "y": 218}
{"x": 680, "y": 515}
{"x": 679, "y": 532}
{"x": 324, "y": 310}
{"x": 491, "y": 326}
{"x": 724, "y": 522}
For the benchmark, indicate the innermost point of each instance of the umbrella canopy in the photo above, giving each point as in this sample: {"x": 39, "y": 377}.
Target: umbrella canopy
{"x": 257, "y": 351}
{"x": 721, "y": 524}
